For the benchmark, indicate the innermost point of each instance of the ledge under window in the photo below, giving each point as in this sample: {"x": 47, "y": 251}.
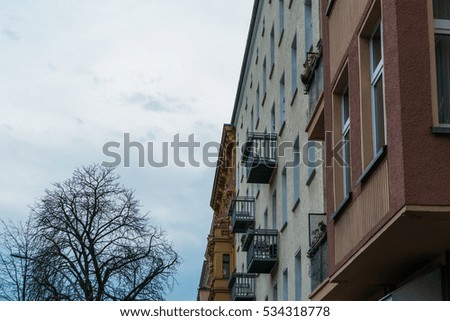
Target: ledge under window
{"x": 283, "y": 227}
{"x": 281, "y": 37}
{"x": 283, "y": 125}
{"x": 311, "y": 177}
{"x": 271, "y": 71}
{"x": 441, "y": 130}
{"x": 341, "y": 206}
{"x": 294, "y": 96}
{"x": 296, "y": 204}
{"x": 372, "y": 165}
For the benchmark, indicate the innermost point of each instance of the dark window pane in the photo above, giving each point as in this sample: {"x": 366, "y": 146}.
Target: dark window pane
{"x": 443, "y": 77}
{"x": 345, "y": 108}
{"x": 376, "y": 48}
{"x": 441, "y": 9}
{"x": 226, "y": 265}
{"x": 379, "y": 114}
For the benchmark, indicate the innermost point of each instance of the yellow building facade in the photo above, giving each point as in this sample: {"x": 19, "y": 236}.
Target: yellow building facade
{"x": 219, "y": 257}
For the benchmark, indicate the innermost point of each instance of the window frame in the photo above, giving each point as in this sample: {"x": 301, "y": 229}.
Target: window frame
{"x": 376, "y": 75}
{"x": 440, "y": 27}
{"x": 226, "y": 273}
{"x": 345, "y": 138}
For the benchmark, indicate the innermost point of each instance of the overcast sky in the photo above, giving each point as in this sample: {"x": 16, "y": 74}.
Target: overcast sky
{"x": 75, "y": 75}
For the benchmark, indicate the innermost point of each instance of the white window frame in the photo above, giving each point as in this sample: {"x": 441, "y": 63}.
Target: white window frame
{"x": 376, "y": 75}
{"x": 441, "y": 27}
{"x": 345, "y": 139}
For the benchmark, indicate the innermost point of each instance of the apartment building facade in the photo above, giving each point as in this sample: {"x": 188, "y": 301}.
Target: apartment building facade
{"x": 279, "y": 181}
{"x": 220, "y": 252}
{"x": 387, "y": 126}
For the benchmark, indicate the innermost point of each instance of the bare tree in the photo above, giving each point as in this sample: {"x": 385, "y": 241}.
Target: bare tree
{"x": 95, "y": 244}
{"x": 16, "y": 244}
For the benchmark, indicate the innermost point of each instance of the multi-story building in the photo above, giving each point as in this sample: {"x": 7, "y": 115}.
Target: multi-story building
{"x": 279, "y": 180}
{"x": 220, "y": 252}
{"x": 387, "y": 123}
{"x": 203, "y": 289}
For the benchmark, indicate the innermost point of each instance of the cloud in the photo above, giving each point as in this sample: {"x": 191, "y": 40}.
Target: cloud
{"x": 11, "y": 34}
{"x": 158, "y": 102}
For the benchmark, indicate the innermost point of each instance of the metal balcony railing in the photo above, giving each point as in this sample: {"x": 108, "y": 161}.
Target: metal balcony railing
{"x": 262, "y": 250}
{"x": 318, "y": 255}
{"x": 259, "y": 156}
{"x": 243, "y": 287}
{"x": 242, "y": 213}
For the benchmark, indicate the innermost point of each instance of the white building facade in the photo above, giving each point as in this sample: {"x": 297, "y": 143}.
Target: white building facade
{"x": 279, "y": 176}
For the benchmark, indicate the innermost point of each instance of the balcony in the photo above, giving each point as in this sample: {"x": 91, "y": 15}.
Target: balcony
{"x": 242, "y": 213}
{"x": 312, "y": 79}
{"x": 262, "y": 250}
{"x": 259, "y": 156}
{"x": 243, "y": 287}
{"x": 318, "y": 254}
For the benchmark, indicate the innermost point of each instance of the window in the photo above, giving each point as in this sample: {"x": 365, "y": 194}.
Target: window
{"x": 272, "y": 48}
{"x": 441, "y": 9}
{"x": 281, "y": 17}
{"x": 238, "y": 172}
{"x": 285, "y": 285}
{"x": 298, "y": 276}
{"x": 257, "y": 106}
{"x": 319, "y": 264}
{"x": 308, "y": 27}
{"x": 371, "y": 73}
{"x": 275, "y": 292}
{"x": 252, "y": 121}
{"x": 341, "y": 135}
{"x": 273, "y": 119}
{"x": 282, "y": 102}
{"x": 283, "y": 198}
{"x": 345, "y": 117}
{"x": 294, "y": 70}
{"x": 376, "y": 71}
{"x": 226, "y": 266}
{"x": 263, "y": 27}
{"x": 266, "y": 219}
{"x": 296, "y": 170}
{"x": 274, "y": 210}
{"x": 264, "y": 80}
